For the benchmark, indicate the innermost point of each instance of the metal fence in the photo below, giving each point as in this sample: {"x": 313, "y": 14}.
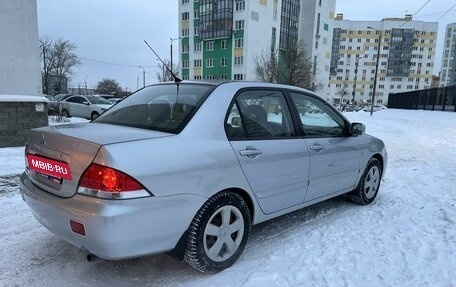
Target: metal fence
{"x": 435, "y": 99}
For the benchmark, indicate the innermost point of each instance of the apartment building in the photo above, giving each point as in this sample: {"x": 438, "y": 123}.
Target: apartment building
{"x": 406, "y": 58}
{"x": 220, "y": 39}
{"x": 448, "y": 73}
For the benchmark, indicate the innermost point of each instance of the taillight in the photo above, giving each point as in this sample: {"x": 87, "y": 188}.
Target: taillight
{"x": 105, "y": 182}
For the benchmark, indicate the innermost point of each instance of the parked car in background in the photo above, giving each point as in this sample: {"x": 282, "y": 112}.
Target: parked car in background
{"x": 61, "y": 97}
{"x": 115, "y": 100}
{"x": 89, "y": 107}
{"x": 190, "y": 167}
{"x": 53, "y": 105}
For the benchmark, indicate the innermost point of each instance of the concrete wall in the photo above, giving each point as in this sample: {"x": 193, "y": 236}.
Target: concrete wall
{"x": 22, "y": 105}
{"x": 16, "y": 120}
{"x": 19, "y": 50}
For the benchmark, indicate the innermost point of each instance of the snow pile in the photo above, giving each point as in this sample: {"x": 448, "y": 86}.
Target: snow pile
{"x": 407, "y": 237}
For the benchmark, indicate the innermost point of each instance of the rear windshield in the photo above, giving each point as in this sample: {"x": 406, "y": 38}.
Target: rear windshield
{"x": 166, "y": 108}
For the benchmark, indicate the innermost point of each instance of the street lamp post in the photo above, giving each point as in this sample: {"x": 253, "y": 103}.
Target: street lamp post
{"x": 144, "y": 76}
{"x": 171, "y": 52}
{"x": 354, "y": 83}
{"x": 376, "y": 67}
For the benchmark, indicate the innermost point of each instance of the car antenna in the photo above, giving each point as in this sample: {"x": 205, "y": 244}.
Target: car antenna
{"x": 176, "y": 79}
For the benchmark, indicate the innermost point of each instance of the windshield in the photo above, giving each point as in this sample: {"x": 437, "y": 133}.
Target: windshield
{"x": 158, "y": 107}
{"x": 98, "y": 100}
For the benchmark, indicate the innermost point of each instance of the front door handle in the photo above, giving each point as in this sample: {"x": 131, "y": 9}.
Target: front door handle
{"x": 317, "y": 147}
{"x": 250, "y": 152}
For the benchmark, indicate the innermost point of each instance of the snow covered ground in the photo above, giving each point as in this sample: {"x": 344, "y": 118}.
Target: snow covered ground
{"x": 407, "y": 237}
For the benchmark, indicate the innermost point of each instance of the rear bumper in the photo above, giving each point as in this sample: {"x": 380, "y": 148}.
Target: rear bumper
{"x": 115, "y": 229}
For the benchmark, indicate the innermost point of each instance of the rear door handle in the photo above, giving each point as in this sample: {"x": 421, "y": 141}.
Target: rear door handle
{"x": 250, "y": 152}
{"x": 317, "y": 147}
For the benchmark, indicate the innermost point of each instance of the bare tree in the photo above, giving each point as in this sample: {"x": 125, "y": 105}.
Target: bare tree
{"x": 109, "y": 87}
{"x": 164, "y": 74}
{"x": 342, "y": 92}
{"x": 296, "y": 68}
{"x": 58, "y": 59}
{"x": 291, "y": 67}
{"x": 47, "y": 62}
{"x": 267, "y": 67}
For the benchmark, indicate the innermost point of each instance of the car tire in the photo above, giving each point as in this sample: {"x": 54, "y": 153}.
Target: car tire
{"x": 368, "y": 185}
{"x": 66, "y": 114}
{"x": 218, "y": 233}
{"x": 94, "y": 115}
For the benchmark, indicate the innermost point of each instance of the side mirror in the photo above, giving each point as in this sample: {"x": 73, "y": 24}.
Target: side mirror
{"x": 357, "y": 128}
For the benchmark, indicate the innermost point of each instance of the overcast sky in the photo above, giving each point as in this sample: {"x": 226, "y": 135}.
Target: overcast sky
{"x": 107, "y": 31}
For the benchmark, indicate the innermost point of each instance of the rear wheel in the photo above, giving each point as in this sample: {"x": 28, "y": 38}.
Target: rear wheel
{"x": 94, "y": 115}
{"x": 369, "y": 183}
{"x": 218, "y": 233}
{"x": 66, "y": 114}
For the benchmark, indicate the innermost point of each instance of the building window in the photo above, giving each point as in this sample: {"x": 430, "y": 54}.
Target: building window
{"x": 223, "y": 62}
{"x": 238, "y": 77}
{"x": 223, "y": 77}
{"x": 196, "y": 14}
{"x": 210, "y": 46}
{"x": 185, "y": 16}
{"x": 185, "y": 32}
{"x": 239, "y": 25}
{"x": 185, "y": 64}
{"x": 274, "y": 31}
{"x": 185, "y": 78}
{"x": 197, "y": 77}
{"x": 239, "y": 43}
{"x": 210, "y": 77}
{"x": 240, "y": 6}
{"x": 196, "y": 31}
{"x": 210, "y": 62}
{"x": 185, "y": 1}
{"x": 197, "y": 63}
{"x": 197, "y": 47}
{"x": 238, "y": 61}
{"x": 185, "y": 48}
{"x": 223, "y": 44}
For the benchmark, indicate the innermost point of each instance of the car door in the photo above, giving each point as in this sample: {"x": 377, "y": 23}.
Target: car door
{"x": 86, "y": 107}
{"x": 73, "y": 105}
{"x": 334, "y": 154}
{"x": 273, "y": 158}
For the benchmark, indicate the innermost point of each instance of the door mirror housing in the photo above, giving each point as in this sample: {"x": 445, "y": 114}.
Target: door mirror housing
{"x": 357, "y": 128}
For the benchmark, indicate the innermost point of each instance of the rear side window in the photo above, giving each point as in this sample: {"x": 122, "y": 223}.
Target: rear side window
{"x": 166, "y": 108}
{"x": 259, "y": 114}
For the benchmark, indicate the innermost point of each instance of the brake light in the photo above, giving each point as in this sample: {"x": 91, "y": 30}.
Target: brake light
{"x": 105, "y": 182}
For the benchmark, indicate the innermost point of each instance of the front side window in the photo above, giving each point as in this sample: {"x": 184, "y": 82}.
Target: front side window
{"x": 317, "y": 119}
{"x": 165, "y": 108}
{"x": 259, "y": 114}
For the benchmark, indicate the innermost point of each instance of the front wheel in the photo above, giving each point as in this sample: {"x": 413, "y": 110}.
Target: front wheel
{"x": 369, "y": 183}
{"x": 218, "y": 233}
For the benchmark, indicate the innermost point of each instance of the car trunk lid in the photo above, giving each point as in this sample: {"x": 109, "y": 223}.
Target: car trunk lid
{"x": 76, "y": 145}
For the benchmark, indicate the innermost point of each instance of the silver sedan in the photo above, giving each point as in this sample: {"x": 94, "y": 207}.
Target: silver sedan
{"x": 190, "y": 167}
